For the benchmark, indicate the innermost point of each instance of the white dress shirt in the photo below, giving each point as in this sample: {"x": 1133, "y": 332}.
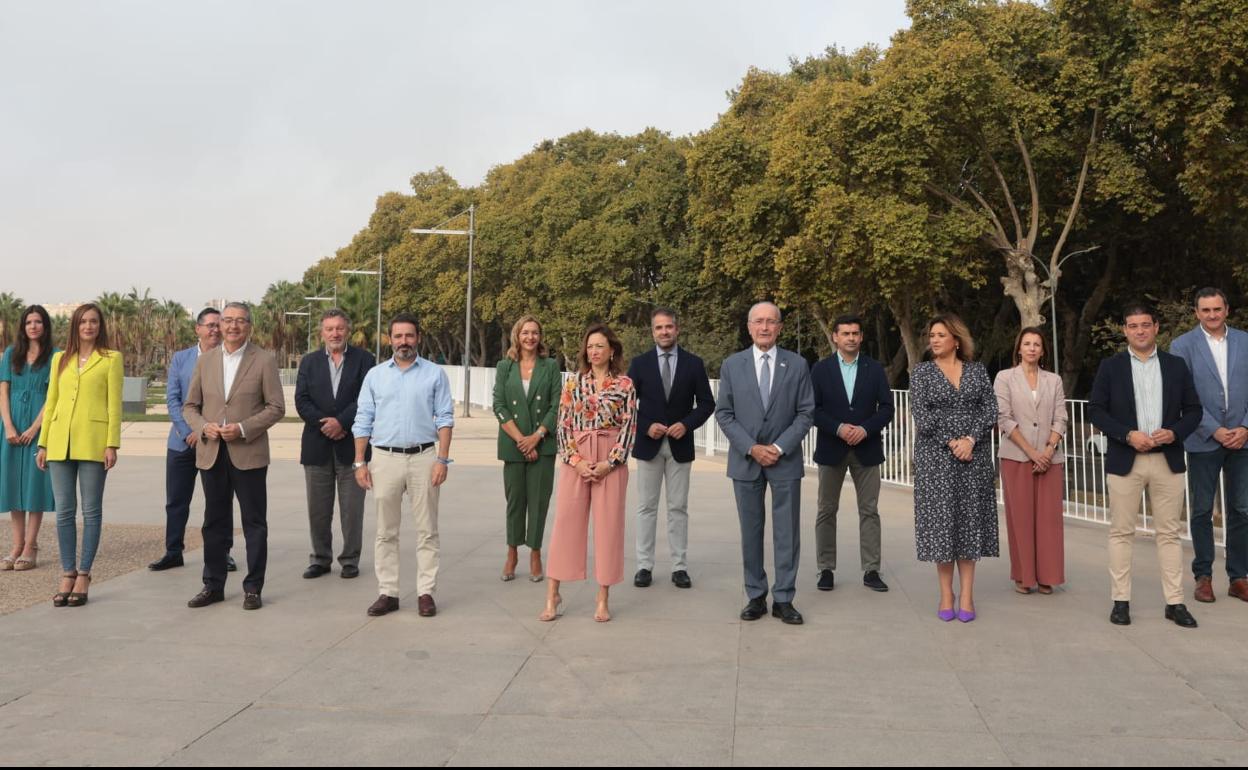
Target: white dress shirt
{"x": 231, "y": 362}
{"x": 1218, "y": 348}
{"x": 758, "y": 374}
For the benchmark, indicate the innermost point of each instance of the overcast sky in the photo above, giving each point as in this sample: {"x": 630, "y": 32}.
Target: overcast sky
{"x": 207, "y": 149}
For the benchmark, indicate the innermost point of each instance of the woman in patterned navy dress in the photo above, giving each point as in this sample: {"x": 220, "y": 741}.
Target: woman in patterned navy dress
{"x": 955, "y": 503}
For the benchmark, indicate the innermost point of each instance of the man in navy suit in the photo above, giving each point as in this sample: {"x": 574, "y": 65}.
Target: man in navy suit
{"x": 1146, "y": 404}
{"x": 674, "y": 399}
{"x": 180, "y": 470}
{"x": 853, "y": 404}
{"x": 1218, "y": 358}
{"x": 764, "y": 408}
{"x": 326, "y": 392}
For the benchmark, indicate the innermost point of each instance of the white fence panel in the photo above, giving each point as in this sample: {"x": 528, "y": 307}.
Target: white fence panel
{"x": 1085, "y": 488}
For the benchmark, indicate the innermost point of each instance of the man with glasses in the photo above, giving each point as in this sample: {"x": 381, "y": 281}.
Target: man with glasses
{"x": 765, "y": 408}
{"x": 180, "y": 471}
{"x": 234, "y": 398}
{"x": 1146, "y": 404}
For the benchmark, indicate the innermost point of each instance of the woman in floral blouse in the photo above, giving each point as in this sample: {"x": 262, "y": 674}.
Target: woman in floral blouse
{"x": 597, "y": 422}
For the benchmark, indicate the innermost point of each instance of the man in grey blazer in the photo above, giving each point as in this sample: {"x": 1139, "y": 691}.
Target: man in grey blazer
{"x": 765, "y": 408}
{"x": 1217, "y": 356}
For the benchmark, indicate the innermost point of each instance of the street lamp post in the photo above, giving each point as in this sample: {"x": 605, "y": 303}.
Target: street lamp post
{"x": 307, "y": 313}
{"x": 1051, "y": 279}
{"x": 380, "y": 273}
{"x": 333, "y": 299}
{"x": 471, "y": 232}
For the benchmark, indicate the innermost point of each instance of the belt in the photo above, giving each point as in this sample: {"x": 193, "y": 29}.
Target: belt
{"x": 406, "y": 450}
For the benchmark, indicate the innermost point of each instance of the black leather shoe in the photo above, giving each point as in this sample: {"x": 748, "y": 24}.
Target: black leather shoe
{"x": 349, "y": 571}
{"x": 1179, "y": 614}
{"x": 642, "y": 579}
{"x": 681, "y": 579}
{"x": 755, "y": 609}
{"x": 168, "y": 561}
{"x": 786, "y": 612}
{"x": 872, "y": 580}
{"x": 230, "y": 566}
{"x": 206, "y": 597}
{"x": 315, "y": 571}
{"x": 252, "y": 601}
{"x": 826, "y": 580}
{"x": 1120, "y": 615}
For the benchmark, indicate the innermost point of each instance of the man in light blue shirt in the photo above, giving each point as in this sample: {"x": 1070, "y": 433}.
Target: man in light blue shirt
{"x": 406, "y": 413}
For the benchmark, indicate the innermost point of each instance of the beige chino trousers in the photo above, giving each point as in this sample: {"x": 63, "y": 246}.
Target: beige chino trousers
{"x": 394, "y": 475}
{"x": 1165, "y": 494}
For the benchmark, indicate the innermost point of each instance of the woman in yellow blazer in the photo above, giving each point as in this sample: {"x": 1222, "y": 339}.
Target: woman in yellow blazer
{"x": 78, "y": 443}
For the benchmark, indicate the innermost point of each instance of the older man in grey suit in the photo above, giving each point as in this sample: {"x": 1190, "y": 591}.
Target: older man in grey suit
{"x": 766, "y": 406}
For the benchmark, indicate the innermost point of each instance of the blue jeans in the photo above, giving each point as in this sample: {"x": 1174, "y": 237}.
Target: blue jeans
{"x": 89, "y": 476}
{"x": 1202, "y": 475}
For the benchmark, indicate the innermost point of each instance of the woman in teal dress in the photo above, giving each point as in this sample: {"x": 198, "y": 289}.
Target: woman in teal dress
{"x": 25, "y": 491}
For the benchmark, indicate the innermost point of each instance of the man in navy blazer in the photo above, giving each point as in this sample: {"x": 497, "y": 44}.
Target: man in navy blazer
{"x": 326, "y": 393}
{"x": 673, "y": 400}
{"x": 764, "y": 408}
{"x": 1145, "y": 402}
{"x": 853, "y": 405}
{"x": 1218, "y": 358}
{"x": 180, "y": 470}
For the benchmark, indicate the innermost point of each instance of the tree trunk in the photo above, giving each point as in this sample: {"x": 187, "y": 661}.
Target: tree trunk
{"x": 1078, "y": 336}
{"x": 904, "y": 315}
{"x": 1023, "y": 285}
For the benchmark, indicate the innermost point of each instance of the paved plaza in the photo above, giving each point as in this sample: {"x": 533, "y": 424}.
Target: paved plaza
{"x": 135, "y": 677}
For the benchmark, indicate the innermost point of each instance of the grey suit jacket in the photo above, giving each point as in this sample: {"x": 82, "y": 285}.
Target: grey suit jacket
{"x": 785, "y": 423}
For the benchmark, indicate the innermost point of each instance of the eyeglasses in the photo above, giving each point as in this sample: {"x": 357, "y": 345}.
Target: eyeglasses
{"x": 210, "y": 326}
{"x": 235, "y": 321}
{"x": 764, "y": 322}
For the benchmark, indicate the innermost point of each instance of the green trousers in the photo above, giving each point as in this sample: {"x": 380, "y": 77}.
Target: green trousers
{"x": 528, "y": 487}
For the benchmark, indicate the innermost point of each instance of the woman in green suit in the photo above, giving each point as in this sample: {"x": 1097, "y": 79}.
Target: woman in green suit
{"x": 526, "y": 403}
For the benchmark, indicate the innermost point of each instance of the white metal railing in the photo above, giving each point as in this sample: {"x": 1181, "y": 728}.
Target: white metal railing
{"x": 1085, "y": 488}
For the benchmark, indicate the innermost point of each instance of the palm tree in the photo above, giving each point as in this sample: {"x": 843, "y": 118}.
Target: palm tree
{"x": 11, "y": 308}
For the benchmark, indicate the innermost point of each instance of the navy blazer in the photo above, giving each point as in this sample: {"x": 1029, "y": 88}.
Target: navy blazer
{"x": 1112, "y": 409}
{"x": 691, "y": 402}
{"x": 870, "y": 408}
{"x": 314, "y": 400}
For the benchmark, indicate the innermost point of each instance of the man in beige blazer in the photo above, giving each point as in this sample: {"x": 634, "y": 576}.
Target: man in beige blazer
{"x": 234, "y": 398}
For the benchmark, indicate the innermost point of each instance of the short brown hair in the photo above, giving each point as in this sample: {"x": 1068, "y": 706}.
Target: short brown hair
{"x": 1018, "y": 345}
{"x": 513, "y": 352}
{"x": 616, "y": 364}
{"x": 957, "y": 327}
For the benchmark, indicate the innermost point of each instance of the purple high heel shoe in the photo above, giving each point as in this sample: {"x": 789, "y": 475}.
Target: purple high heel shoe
{"x": 966, "y": 616}
{"x": 949, "y": 614}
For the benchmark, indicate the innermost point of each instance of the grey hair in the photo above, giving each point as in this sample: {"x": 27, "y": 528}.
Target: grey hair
{"x": 243, "y": 306}
{"x": 779, "y": 313}
{"x": 334, "y": 312}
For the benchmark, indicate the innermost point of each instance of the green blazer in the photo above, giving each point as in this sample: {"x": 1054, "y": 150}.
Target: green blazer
{"x": 539, "y": 407}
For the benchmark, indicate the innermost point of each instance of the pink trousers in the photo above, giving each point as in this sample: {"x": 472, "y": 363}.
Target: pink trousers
{"x": 1033, "y": 518}
{"x": 575, "y": 499}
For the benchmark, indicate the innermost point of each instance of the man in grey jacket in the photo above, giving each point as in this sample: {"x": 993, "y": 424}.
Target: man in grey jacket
{"x": 1217, "y": 356}
{"x": 765, "y": 408}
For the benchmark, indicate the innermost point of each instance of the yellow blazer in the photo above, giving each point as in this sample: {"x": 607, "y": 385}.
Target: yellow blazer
{"x": 82, "y": 416}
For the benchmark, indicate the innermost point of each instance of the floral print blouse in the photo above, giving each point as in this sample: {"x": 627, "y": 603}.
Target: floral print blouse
{"x": 583, "y": 406}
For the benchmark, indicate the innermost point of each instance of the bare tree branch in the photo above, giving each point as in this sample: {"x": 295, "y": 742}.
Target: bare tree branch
{"x": 1074, "y": 206}
{"x": 1033, "y": 229}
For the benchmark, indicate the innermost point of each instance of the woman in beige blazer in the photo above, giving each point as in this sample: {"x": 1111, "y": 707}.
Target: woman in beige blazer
{"x": 1031, "y": 409}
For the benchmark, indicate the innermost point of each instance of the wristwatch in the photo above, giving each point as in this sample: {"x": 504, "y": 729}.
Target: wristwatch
{"x": 357, "y": 466}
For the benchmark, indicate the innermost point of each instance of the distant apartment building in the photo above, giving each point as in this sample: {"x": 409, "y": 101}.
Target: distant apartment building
{"x": 62, "y": 309}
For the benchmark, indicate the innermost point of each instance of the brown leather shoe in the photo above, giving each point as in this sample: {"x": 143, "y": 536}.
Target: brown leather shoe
{"x": 383, "y": 605}
{"x": 425, "y": 606}
{"x": 1239, "y": 589}
{"x": 1204, "y": 589}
